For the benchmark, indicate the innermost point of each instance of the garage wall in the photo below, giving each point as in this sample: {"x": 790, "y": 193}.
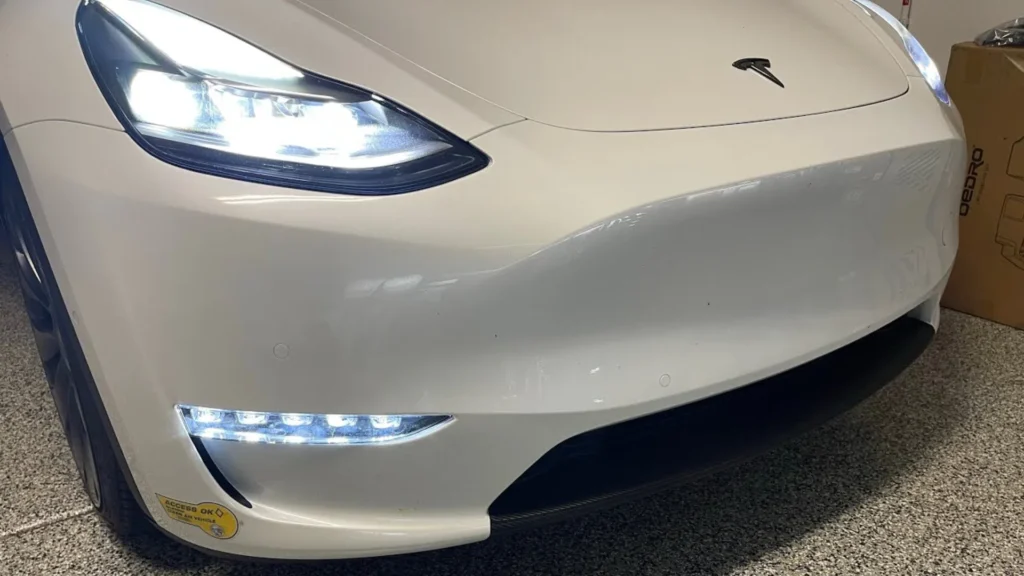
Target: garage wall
{"x": 891, "y": 5}
{"x": 939, "y": 24}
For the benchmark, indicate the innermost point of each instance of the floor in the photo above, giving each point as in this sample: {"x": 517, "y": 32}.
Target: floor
{"x": 927, "y": 477}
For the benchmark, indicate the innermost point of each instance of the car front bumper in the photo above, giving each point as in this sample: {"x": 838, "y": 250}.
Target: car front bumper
{"x": 579, "y": 281}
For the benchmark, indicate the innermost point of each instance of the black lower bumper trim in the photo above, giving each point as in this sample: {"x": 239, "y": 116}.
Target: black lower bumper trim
{"x": 623, "y": 461}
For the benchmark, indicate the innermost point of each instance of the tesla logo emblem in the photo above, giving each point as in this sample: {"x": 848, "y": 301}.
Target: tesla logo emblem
{"x": 759, "y": 65}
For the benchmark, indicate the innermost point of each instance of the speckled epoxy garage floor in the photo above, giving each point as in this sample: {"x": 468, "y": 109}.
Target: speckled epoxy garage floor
{"x": 925, "y": 478}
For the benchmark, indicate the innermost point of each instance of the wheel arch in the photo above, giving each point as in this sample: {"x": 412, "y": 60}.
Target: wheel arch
{"x": 11, "y": 191}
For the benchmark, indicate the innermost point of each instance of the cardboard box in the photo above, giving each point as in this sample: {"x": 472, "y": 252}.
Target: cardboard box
{"x": 987, "y": 85}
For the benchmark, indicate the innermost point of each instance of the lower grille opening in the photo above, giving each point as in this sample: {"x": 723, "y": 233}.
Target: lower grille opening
{"x": 629, "y": 459}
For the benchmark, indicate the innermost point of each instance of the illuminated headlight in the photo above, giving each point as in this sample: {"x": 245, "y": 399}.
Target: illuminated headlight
{"x": 293, "y": 428}
{"x": 201, "y": 98}
{"x": 929, "y": 70}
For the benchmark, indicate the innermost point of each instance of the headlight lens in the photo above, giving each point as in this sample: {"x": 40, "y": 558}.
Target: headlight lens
{"x": 200, "y": 98}
{"x": 917, "y": 53}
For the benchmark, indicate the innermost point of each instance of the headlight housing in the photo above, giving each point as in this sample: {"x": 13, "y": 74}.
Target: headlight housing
{"x": 929, "y": 70}
{"x": 200, "y": 98}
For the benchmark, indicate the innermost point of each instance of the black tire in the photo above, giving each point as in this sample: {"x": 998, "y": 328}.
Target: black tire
{"x": 71, "y": 385}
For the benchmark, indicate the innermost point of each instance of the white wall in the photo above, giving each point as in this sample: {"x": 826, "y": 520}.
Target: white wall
{"x": 939, "y": 24}
{"x": 893, "y": 6}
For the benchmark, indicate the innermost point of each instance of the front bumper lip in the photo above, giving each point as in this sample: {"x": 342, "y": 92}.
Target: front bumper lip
{"x": 629, "y": 459}
{"x": 497, "y": 298}
{"x": 757, "y": 417}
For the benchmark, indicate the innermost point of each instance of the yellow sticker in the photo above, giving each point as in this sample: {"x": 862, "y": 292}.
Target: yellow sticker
{"x": 214, "y": 519}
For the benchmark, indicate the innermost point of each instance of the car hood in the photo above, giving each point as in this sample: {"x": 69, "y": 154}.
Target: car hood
{"x": 617, "y": 65}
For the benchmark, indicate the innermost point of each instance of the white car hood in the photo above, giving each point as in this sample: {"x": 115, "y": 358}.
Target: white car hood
{"x": 616, "y": 65}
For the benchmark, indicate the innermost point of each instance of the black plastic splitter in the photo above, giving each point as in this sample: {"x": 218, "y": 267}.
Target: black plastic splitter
{"x": 638, "y": 457}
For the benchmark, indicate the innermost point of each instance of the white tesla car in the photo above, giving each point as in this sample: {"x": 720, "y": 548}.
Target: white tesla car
{"x": 336, "y": 278}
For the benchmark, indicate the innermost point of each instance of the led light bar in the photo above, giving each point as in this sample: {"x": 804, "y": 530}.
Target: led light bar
{"x": 295, "y": 428}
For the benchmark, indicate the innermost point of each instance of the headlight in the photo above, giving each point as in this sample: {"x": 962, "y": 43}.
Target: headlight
{"x": 200, "y": 98}
{"x": 917, "y": 53}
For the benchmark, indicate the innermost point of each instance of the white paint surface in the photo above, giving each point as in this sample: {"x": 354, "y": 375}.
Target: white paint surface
{"x": 719, "y": 256}
{"x": 544, "y": 296}
{"x": 664, "y": 77}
